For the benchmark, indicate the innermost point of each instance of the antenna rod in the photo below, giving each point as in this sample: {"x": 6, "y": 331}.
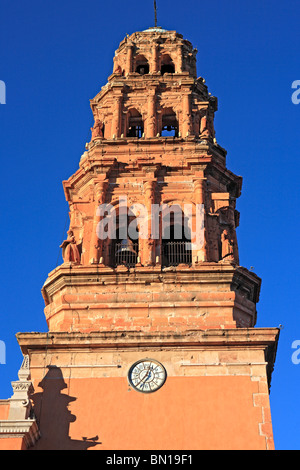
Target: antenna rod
{"x": 155, "y": 13}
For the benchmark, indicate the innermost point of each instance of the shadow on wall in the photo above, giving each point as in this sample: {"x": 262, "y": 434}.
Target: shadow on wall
{"x": 54, "y": 417}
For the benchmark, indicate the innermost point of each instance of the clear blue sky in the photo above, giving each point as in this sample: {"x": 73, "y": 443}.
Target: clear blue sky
{"x": 55, "y": 57}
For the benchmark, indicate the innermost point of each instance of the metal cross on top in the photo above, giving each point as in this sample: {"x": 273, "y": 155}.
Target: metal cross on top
{"x": 155, "y": 13}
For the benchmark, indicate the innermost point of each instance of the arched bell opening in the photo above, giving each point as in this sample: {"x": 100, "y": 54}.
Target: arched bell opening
{"x": 167, "y": 65}
{"x": 124, "y": 248}
{"x": 141, "y": 65}
{"x": 176, "y": 247}
{"x": 135, "y": 124}
{"x": 170, "y": 127}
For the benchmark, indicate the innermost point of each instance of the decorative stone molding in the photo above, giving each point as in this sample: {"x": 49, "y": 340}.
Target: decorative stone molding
{"x": 21, "y": 422}
{"x": 20, "y": 406}
{"x": 25, "y": 429}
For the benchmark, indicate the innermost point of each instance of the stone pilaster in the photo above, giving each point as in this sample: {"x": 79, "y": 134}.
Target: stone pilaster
{"x": 96, "y": 245}
{"x": 151, "y": 117}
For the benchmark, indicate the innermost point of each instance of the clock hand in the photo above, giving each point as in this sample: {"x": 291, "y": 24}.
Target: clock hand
{"x": 142, "y": 379}
{"x": 148, "y": 374}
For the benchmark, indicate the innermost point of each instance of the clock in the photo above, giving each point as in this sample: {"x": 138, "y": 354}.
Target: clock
{"x": 147, "y": 375}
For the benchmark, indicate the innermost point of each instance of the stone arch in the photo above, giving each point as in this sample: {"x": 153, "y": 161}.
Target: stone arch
{"x": 169, "y": 123}
{"x": 166, "y": 64}
{"x": 141, "y": 65}
{"x": 135, "y": 123}
{"x": 175, "y": 236}
{"x": 122, "y": 246}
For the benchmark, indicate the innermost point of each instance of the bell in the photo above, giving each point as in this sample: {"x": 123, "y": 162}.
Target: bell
{"x": 126, "y": 246}
{"x": 126, "y": 254}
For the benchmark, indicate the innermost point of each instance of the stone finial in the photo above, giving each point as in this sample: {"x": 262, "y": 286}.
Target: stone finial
{"x": 21, "y": 423}
{"x": 20, "y": 406}
{"x": 24, "y": 372}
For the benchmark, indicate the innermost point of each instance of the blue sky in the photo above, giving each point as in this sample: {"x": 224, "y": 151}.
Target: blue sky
{"x": 55, "y": 57}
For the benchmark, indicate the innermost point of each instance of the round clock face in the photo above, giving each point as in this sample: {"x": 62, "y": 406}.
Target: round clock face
{"x": 147, "y": 375}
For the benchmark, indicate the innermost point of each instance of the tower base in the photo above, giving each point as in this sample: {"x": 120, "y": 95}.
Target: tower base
{"x": 216, "y": 394}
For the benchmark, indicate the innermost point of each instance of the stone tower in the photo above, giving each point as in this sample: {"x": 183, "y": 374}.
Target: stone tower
{"x": 151, "y": 341}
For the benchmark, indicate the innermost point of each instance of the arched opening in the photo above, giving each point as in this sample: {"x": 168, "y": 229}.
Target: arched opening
{"x": 167, "y": 65}
{"x": 141, "y": 65}
{"x": 135, "y": 124}
{"x": 176, "y": 239}
{"x": 170, "y": 127}
{"x": 124, "y": 248}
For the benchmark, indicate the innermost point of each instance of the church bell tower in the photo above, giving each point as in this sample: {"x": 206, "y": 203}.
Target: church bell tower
{"x": 152, "y": 341}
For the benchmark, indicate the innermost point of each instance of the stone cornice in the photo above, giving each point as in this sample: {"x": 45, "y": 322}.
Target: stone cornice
{"x": 26, "y": 429}
{"x": 251, "y": 337}
{"x": 68, "y": 274}
{"x": 257, "y": 338}
{"x": 135, "y": 80}
{"x": 105, "y": 157}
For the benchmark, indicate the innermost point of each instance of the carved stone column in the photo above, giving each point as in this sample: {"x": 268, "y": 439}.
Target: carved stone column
{"x": 129, "y": 58}
{"x": 151, "y": 117}
{"x": 96, "y": 245}
{"x": 116, "y": 120}
{"x": 201, "y": 244}
{"x": 154, "y": 62}
{"x": 186, "y": 115}
{"x": 179, "y": 60}
{"x": 148, "y": 245}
